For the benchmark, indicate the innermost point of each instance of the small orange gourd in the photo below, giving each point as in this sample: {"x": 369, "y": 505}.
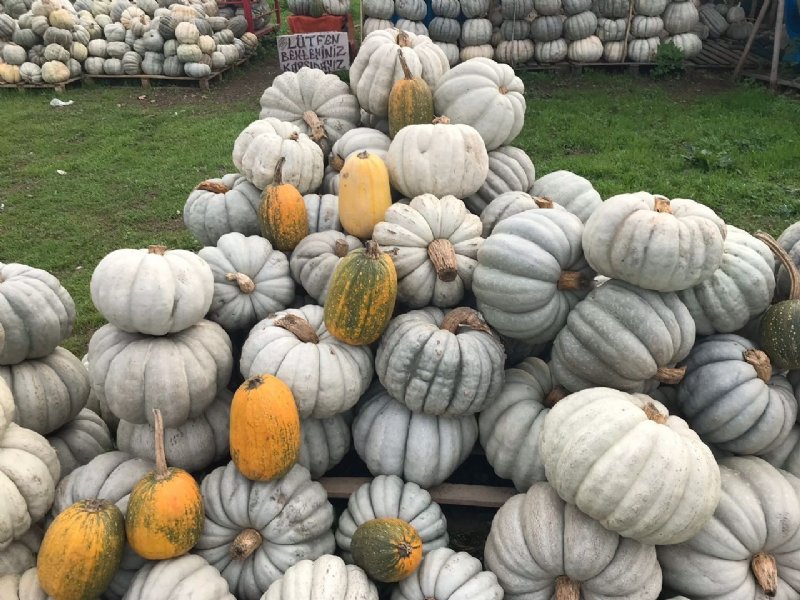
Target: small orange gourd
{"x": 282, "y": 213}
{"x": 387, "y": 549}
{"x": 364, "y": 193}
{"x": 81, "y": 550}
{"x": 410, "y": 101}
{"x": 264, "y": 428}
{"x": 165, "y": 513}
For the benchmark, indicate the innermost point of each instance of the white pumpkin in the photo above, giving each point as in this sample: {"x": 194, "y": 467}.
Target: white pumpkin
{"x": 445, "y": 574}
{"x": 80, "y": 440}
{"x": 680, "y": 17}
{"x": 324, "y": 443}
{"x": 20, "y": 555}
{"x": 510, "y": 170}
{"x": 470, "y": 52}
{"x": 322, "y": 211}
{"x": 689, "y": 43}
{"x": 643, "y": 50}
{"x": 551, "y": 52}
{"x": 588, "y": 49}
{"x": 326, "y": 578}
{"x": 188, "y": 576}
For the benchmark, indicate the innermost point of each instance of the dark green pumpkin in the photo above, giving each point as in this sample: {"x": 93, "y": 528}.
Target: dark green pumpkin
{"x": 387, "y": 549}
{"x": 780, "y": 326}
{"x": 410, "y": 101}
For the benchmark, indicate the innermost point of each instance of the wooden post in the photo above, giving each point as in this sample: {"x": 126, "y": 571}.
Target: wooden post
{"x": 737, "y": 71}
{"x": 776, "y": 47}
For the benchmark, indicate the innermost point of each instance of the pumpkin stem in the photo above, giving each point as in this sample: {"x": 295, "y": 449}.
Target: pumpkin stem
{"x": 244, "y": 544}
{"x": 554, "y": 395}
{"x": 503, "y": 89}
{"x": 441, "y": 120}
{"x": 210, "y": 185}
{"x": 662, "y": 205}
{"x": 298, "y": 326}
{"x": 253, "y": 383}
{"x": 246, "y": 285}
{"x": 337, "y": 162}
{"x": 404, "y": 65}
{"x": 785, "y": 260}
{"x": 363, "y": 155}
{"x": 162, "y": 472}
{"x": 94, "y": 505}
{"x": 566, "y": 589}
{"x": 760, "y": 362}
{"x": 443, "y": 256}
{"x": 277, "y": 177}
{"x": 464, "y": 317}
{"x": 295, "y": 136}
{"x": 653, "y": 414}
{"x": 341, "y": 248}
{"x": 156, "y": 249}
{"x": 765, "y": 571}
{"x": 670, "y": 376}
{"x": 543, "y": 202}
{"x": 372, "y": 250}
{"x": 315, "y": 125}
{"x": 573, "y": 280}
{"x": 403, "y": 40}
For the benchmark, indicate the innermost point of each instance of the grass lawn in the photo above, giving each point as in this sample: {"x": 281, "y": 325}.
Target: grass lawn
{"x": 128, "y": 163}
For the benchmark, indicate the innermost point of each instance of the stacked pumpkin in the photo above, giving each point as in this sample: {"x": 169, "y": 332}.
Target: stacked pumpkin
{"x": 318, "y": 8}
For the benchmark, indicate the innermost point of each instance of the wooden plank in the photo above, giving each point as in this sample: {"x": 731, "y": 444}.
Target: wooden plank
{"x": 59, "y": 87}
{"x": 790, "y": 83}
{"x": 740, "y": 64}
{"x": 485, "y": 496}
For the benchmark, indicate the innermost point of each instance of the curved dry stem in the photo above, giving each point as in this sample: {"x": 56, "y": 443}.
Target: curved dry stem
{"x": 785, "y": 260}
{"x": 464, "y": 317}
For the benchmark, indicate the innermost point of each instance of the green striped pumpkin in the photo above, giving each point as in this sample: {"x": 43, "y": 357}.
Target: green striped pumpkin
{"x": 410, "y": 101}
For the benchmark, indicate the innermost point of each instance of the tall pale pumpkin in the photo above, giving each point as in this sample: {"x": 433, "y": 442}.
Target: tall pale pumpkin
{"x": 282, "y": 213}
{"x": 165, "y": 510}
{"x": 410, "y": 101}
{"x": 364, "y": 193}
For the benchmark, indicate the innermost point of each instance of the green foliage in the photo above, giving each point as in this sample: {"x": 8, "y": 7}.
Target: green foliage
{"x": 708, "y": 156}
{"x": 669, "y": 62}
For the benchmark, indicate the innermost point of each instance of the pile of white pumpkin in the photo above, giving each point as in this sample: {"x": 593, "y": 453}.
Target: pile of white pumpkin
{"x": 56, "y": 40}
{"x": 724, "y": 20}
{"x": 545, "y": 31}
{"x": 563, "y": 311}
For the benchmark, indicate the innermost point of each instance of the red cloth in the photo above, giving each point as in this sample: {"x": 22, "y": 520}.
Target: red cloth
{"x": 303, "y": 24}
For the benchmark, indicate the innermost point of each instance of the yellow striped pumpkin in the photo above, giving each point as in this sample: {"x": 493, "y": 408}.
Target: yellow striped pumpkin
{"x": 410, "y": 101}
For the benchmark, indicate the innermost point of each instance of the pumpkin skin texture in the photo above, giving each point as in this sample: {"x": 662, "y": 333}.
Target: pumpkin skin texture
{"x": 81, "y": 550}
{"x": 7, "y": 408}
{"x": 178, "y": 374}
{"x": 510, "y": 170}
{"x": 541, "y": 548}
{"x": 282, "y": 214}
{"x": 37, "y": 313}
{"x": 421, "y": 448}
{"x": 251, "y": 280}
{"x": 20, "y": 555}
{"x": 445, "y": 574}
{"x": 435, "y": 243}
{"x": 319, "y": 104}
{"x": 388, "y": 497}
{"x": 758, "y": 516}
{"x": 441, "y": 364}
{"x": 80, "y": 440}
{"x": 573, "y": 192}
{"x": 417, "y": 151}
{"x": 219, "y": 206}
{"x": 410, "y": 101}
{"x": 315, "y": 259}
{"x": 531, "y": 273}
{"x": 48, "y": 392}
{"x": 325, "y": 375}
{"x": 673, "y": 473}
{"x": 731, "y": 399}
{"x": 265, "y": 428}
{"x": 653, "y": 242}
{"x": 510, "y": 204}
{"x": 326, "y": 578}
{"x": 364, "y": 193}
{"x": 738, "y": 291}
{"x": 494, "y": 104}
{"x": 255, "y": 531}
{"x": 30, "y": 471}
{"x": 511, "y": 426}
{"x": 779, "y": 323}
{"x": 188, "y": 576}
{"x": 324, "y": 444}
{"x": 361, "y": 296}
{"x": 154, "y": 291}
{"x": 323, "y": 212}
{"x": 387, "y": 549}
{"x": 652, "y": 332}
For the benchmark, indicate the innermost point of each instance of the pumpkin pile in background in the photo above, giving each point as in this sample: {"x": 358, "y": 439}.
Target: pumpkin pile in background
{"x": 629, "y": 364}
{"x": 53, "y": 41}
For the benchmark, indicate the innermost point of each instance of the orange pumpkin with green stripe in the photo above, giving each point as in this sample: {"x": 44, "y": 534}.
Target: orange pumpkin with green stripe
{"x": 264, "y": 429}
{"x": 282, "y": 213}
{"x": 81, "y": 550}
{"x": 361, "y": 296}
{"x": 387, "y": 549}
{"x": 165, "y": 513}
{"x": 410, "y": 101}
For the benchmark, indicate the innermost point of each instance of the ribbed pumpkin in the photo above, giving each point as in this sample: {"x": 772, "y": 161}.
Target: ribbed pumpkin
{"x": 282, "y": 213}
{"x": 81, "y": 550}
{"x": 364, "y": 193}
{"x": 410, "y": 101}
{"x": 165, "y": 512}
{"x": 779, "y": 327}
{"x": 361, "y": 296}
{"x": 265, "y": 428}
{"x": 387, "y": 549}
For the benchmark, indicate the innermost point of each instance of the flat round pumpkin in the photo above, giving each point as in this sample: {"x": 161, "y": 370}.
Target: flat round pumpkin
{"x": 510, "y": 170}
{"x": 326, "y": 578}
{"x": 573, "y": 192}
{"x": 388, "y": 550}
{"x": 186, "y": 576}
{"x": 315, "y": 259}
{"x": 445, "y": 574}
{"x": 80, "y": 440}
{"x": 219, "y": 206}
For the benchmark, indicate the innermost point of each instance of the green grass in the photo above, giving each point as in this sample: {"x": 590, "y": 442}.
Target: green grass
{"x": 130, "y": 164}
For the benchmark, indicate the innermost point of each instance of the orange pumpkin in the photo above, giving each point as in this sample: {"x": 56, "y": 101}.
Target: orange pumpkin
{"x": 282, "y": 213}
{"x": 81, "y": 550}
{"x": 264, "y": 428}
{"x": 364, "y": 193}
{"x": 165, "y": 513}
{"x": 387, "y": 549}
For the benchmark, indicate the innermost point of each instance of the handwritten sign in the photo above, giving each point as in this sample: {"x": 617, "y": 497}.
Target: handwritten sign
{"x": 328, "y": 51}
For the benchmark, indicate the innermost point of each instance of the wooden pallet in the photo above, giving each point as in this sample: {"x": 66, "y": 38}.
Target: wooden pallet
{"x": 146, "y": 80}
{"x": 58, "y": 87}
{"x": 789, "y": 83}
